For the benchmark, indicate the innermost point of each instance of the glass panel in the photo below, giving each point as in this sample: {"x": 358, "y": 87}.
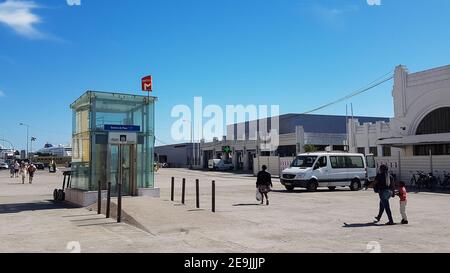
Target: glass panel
{"x": 90, "y": 113}
{"x": 371, "y": 161}
{"x": 322, "y": 161}
{"x": 304, "y": 161}
{"x": 436, "y": 122}
{"x": 114, "y": 167}
{"x": 354, "y": 162}
{"x": 437, "y": 149}
{"x": 99, "y": 165}
{"x": 126, "y": 169}
{"x": 337, "y": 162}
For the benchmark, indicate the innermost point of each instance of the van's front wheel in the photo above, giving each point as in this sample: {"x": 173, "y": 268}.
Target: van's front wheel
{"x": 312, "y": 186}
{"x": 289, "y": 188}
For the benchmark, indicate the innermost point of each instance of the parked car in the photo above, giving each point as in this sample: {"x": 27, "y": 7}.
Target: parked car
{"x": 313, "y": 170}
{"x": 4, "y": 166}
{"x": 40, "y": 166}
{"x": 220, "y": 165}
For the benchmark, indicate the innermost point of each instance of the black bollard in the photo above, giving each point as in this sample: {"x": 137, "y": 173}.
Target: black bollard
{"x": 108, "y": 201}
{"x": 64, "y": 182}
{"x": 197, "y": 192}
{"x": 172, "y": 190}
{"x": 99, "y": 199}
{"x": 183, "y": 191}
{"x": 119, "y": 203}
{"x": 213, "y": 196}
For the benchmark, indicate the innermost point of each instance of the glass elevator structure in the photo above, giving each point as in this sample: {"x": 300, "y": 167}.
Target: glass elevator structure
{"x": 113, "y": 138}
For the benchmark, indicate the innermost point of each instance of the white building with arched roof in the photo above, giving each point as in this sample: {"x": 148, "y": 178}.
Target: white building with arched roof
{"x": 419, "y": 133}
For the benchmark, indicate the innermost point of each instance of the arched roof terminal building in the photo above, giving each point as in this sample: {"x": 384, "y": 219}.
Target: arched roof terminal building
{"x": 419, "y": 133}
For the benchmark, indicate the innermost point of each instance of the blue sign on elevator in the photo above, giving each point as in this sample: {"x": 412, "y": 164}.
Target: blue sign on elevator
{"x": 122, "y": 128}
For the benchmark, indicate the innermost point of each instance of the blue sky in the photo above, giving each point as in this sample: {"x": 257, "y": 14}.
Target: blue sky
{"x": 296, "y": 53}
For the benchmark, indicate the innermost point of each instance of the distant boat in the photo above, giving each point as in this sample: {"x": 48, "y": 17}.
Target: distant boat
{"x": 60, "y": 151}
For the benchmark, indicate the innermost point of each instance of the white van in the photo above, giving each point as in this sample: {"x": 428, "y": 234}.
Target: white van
{"x": 313, "y": 170}
{"x": 220, "y": 165}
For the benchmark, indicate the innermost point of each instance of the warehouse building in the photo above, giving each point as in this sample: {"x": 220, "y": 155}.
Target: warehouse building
{"x": 295, "y": 132}
{"x": 183, "y": 155}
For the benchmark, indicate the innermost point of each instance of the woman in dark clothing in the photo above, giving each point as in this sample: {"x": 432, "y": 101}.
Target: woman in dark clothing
{"x": 264, "y": 184}
{"x": 385, "y": 187}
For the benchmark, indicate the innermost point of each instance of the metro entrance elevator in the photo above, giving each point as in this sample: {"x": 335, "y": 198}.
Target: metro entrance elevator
{"x": 113, "y": 140}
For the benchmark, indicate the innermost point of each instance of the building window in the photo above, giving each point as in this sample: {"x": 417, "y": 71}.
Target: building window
{"x": 339, "y": 148}
{"x": 374, "y": 151}
{"x": 436, "y": 122}
{"x": 438, "y": 149}
{"x": 285, "y": 151}
{"x": 321, "y": 148}
{"x": 387, "y": 151}
{"x": 362, "y": 150}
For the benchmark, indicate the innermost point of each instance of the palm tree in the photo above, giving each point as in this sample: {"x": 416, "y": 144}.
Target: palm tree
{"x": 310, "y": 148}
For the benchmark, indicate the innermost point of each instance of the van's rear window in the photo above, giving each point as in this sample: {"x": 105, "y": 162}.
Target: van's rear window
{"x": 347, "y": 162}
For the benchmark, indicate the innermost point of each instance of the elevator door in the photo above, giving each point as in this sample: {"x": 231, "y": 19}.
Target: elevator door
{"x": 122, "y": 167}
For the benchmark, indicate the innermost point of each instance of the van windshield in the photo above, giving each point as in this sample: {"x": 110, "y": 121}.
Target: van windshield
{"x": 304, "y": 162}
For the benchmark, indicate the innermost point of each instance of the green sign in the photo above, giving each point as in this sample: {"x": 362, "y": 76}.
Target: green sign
{"x": 226, "y": 149}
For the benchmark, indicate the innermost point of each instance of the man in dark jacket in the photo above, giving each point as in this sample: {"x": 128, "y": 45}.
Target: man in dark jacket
{"x": 264, "y": 184}
{"x": 385, "y": 187}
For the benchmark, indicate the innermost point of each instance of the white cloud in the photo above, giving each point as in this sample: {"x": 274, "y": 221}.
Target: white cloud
{"x": 374, "y": 2}
{"x": 2, "y": 94}
{"x": 73, "y": 2}
{"x": 19, "y": 16}
{"x": 334, "y": 17}
{"x": 334, "y": 12}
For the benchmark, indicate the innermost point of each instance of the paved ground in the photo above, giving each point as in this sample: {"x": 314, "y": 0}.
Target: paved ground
{"x": 294, "y": 222}
{"x": 29, "y": 222}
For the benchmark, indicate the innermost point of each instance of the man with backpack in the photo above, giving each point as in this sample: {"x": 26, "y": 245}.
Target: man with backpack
{"x": 31, "y": 171}
{"x": 384, "y": 185}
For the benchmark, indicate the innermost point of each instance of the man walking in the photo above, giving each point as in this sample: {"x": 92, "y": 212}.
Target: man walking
{"x": 264, "y": 184}
{"x": 31, "y": 171}
{"x": 384, "y": 186}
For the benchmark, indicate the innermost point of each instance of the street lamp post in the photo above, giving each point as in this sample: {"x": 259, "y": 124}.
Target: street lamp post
{"x": 192, "y": 141}
{"x": 28, "y": 129}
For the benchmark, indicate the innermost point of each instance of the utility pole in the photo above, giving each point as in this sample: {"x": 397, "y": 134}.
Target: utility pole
{"x": 28, "y": 128}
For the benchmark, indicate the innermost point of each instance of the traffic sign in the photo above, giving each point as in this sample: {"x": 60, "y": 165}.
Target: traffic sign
{"x": 119, "y": 138}
{"x": 121, "y": 128}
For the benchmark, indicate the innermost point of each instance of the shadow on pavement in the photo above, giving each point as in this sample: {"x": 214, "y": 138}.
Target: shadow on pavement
{"x": 41, "y": 205}
{"x": 99, "y": 224}
{"x": 306, "y": 191}
{"x": 242, "y": 205}
{"x": 79, "y": 215}
{"x": 359, "y": 225}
